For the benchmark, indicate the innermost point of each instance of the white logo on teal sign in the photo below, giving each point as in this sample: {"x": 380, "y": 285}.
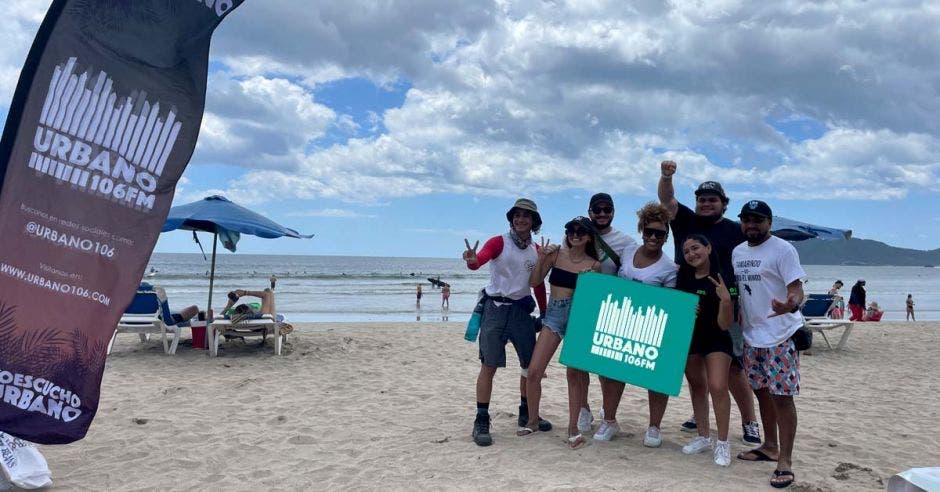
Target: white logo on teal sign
{"x": 630, "y": 334}
{"x": 629, "y": 331}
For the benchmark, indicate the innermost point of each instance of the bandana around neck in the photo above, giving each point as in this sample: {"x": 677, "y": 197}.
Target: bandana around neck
{"x": 520, "y": 243}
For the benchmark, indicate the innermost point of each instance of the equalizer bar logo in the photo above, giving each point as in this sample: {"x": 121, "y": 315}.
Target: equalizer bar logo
{"x": 629, "y": 334}
{"x": 112, "y": 146}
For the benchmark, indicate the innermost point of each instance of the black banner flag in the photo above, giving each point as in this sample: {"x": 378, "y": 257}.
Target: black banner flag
{"x": 103, "y": 121}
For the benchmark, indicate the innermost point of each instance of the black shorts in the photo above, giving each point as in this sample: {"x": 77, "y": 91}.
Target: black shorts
{"x": 714, "y": 340}
{"x": 506, "y": 323}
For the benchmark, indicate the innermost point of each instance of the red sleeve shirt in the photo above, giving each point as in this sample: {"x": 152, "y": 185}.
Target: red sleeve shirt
{"x": 491, "y": 249}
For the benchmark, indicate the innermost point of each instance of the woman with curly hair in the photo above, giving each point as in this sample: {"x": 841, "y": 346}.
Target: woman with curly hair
{"x": 579, "y": 255}
{"x": 647, "y": 263}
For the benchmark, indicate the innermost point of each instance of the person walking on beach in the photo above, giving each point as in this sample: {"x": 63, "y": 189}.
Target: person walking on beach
{"x": 507, "y": 309}
{"x": 611, "y": 244}
{"x": 579, "y": 255}
{"x": 708, "y": 219}
{"x": 273, "y": 281}
{"x": 418, "y": 296}
{"x": 648, "y": 264}
{"x": 837, "y": 309}
{"x": 857, "y": 301}
{"x": 445, "y": 296}
{"x": 770, "y": 281}
{"x": 910, "y": 308}
{"x": 711, "y": 350}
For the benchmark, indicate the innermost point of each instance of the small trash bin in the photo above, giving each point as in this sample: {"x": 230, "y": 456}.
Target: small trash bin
{"x": 199, "y": 334}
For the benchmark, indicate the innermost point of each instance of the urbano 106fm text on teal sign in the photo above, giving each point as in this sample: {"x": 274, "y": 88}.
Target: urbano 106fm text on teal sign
{"x": 630, "y": 331}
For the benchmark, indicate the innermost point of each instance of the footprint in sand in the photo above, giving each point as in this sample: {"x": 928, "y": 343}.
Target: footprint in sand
{"x": 302, "y": 440}
{"x": 857, "y": 474}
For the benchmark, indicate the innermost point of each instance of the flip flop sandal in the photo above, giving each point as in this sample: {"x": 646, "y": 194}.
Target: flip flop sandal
{"x": 758, "y": 456}
{"x": 524, "y": 431}
{"x": 577, "y": 441}
{"x": 782, "y": 479}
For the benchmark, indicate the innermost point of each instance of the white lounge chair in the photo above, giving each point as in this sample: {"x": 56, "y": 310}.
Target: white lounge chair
{"x": 149, "y": 312}
{"x": 259, "y": 327}
{"x": 822, "y": 325}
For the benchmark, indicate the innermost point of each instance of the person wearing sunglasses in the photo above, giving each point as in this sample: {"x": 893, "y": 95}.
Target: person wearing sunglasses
{"x": 507, "y": 308}
{"x": 646, "y": 263}
{"x": 562, "y": 265}
{"x": 770, "y": 281}
{"x": 724, "y": 234}
{"x": 611, "y": 243}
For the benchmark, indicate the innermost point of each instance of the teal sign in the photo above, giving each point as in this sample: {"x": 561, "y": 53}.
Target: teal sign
{"x": 630, "y": 331}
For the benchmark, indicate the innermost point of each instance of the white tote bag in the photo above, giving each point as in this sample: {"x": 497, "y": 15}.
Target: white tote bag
{"x": 23, "y": 464}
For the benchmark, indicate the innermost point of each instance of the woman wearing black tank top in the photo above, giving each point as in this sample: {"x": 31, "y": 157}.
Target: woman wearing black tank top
{"x": 711, "y": 348}
{"x": 579, "y": 255}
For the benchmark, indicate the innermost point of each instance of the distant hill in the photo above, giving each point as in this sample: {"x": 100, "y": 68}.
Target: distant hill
{"x": 863, "y": 252}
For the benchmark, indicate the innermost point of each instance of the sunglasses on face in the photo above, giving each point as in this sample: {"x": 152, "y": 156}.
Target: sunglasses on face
{"x": 753, "y": 219}
{"x": 576, "y": 231}
{"x": 657, "y": 233}
{"x": 602, "y": 210}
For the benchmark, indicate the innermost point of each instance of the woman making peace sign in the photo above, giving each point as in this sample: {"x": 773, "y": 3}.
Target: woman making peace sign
{"x": 711, "y": 349}
{"x": 578, "y": 255}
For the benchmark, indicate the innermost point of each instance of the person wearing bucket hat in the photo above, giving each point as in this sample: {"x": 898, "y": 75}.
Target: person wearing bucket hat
{"x": 711, "y": 203}
{"x": 507, "y": 305}
{"x": 770, "y": 282}
{"x": 579, "y": 255}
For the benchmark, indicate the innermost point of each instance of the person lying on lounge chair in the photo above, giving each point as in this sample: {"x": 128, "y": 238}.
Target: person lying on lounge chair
{"x": 244, "y": 311}
{"x": 185, "y": 314}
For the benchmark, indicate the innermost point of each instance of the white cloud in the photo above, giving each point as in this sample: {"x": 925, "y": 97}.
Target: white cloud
{"x": 507, "y": 96}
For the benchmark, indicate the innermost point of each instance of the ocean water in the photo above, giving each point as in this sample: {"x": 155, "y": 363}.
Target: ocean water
{"x": 355, "y": 288}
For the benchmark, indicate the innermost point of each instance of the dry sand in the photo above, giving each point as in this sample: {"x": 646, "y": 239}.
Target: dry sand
{"x": 390, "y": 406}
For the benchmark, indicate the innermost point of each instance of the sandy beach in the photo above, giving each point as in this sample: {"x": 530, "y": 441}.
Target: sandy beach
{"x": 390, "y": 406}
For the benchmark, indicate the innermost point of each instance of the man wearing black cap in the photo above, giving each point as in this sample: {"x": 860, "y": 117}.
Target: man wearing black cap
{"x": 770, "y": 281}
{"x": 724, "y": 234}
{"x": 611, "y": 243}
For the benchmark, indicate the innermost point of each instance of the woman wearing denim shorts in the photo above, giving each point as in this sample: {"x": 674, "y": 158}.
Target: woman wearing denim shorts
{"x": 579, "y": 255}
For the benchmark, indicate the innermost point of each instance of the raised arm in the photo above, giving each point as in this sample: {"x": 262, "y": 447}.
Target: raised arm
{"x": 665, "y": 190}
{"x": 490, "y": 250}
{"x": 547, "y": 253}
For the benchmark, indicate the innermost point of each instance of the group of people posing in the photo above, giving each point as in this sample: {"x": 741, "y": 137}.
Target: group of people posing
{"x": 750, "y": 290}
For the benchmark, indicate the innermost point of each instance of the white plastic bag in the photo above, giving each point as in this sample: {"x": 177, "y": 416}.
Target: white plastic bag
{"x": 22, "y": 463}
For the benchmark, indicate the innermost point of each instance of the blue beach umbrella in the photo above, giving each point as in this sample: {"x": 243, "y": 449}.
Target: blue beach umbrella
{"x": 225, "y": 219}
{"x": 794, "y": 230}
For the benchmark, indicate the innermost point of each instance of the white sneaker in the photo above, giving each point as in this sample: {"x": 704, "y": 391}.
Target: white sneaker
{"x": 607, "y": 430}
{"x": 652, "y": 439}
{"x": 722, "y": 453}
{"x": 585, "y": 419}
{"x": 698, "y": 445}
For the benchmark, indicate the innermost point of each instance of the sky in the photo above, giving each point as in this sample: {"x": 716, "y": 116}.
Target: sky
{"x": 401, "y": 127}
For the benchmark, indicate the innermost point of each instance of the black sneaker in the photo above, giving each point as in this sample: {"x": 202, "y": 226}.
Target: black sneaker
{"x": 751, "y": 433}
{"x": 481, "y": 430}
{"x": 689, "y": 425}
{"x": 523, "y": 420}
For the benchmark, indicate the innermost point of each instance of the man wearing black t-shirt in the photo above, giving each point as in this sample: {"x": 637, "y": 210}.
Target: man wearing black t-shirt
{"x": 708, "y": 219}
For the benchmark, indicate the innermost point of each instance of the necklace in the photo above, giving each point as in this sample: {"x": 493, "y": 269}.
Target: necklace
{"x": 576, "y": 261}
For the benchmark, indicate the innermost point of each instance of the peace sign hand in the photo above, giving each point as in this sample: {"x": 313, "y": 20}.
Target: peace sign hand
{"x": 470, "y": 255}
{"x": 720, "y": 289}
{"x": 547, "y": 248}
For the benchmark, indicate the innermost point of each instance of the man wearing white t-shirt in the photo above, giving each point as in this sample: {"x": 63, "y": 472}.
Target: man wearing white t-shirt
{"x": 770, "y": 286}
{"x": 611, "y": 245}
